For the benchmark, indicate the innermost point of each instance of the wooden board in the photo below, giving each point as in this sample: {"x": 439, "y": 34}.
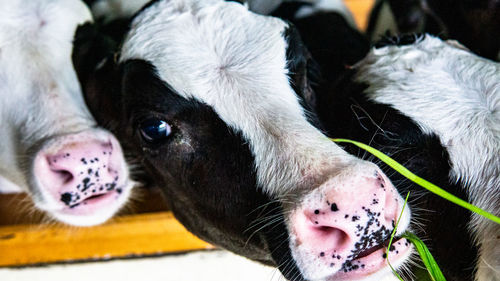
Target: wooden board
{"x": 133, "y": 235}
{"x": 17, "y": 208}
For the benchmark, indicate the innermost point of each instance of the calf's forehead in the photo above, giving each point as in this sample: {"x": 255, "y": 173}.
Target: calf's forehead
{"x": 213, "y": 53}
{"x": 235, "y": 61}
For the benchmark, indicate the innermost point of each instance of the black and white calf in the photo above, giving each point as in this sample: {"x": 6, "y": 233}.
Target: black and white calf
{"x": 208, "y": 96}
{"x": 434, "y": 107}
{"x": 345, "y": 109}
{"x": 51, "y": 147}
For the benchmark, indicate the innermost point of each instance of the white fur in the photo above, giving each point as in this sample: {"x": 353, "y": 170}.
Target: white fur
{"x": 241, "y": 72}
{"x": 456, "y": 95}
{"x": 41, "y": 101}
{"x": 30, "y": 37}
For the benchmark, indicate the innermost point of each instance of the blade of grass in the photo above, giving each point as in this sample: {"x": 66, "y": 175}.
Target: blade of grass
{"x": 426, "y": 256}
{"x": 420, "y": 181}
{"x": 430, "y": 264}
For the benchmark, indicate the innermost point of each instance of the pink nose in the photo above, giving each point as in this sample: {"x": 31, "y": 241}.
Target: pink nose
{"x": 80, "y": 169}
{"x": 346, "y": 218}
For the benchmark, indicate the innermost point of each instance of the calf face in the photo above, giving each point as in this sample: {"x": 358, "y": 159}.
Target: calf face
{"x": 208, "y": 96}
{"x": 51, "y": 146}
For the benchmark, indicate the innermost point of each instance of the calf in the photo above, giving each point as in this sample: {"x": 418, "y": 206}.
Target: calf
{"x": 208, "y": 95}
{"x": 434, "y": 107}
{"x": 346, "y": 111}
{"x": 210, "y": 167}
{"x": 51, "y": 147}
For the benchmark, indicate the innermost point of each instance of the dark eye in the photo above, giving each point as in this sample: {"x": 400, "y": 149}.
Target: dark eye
{"x": 154, "y": 130}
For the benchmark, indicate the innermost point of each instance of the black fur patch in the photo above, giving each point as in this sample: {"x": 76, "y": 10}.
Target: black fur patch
{"x": 398, "y": 40}
{"x": 332, "y": 42}
{"x": 205, "y": 169}
{"x": 303, "y": 71}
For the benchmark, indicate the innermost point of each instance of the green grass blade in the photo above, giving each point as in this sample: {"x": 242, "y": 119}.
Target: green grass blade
{"x": 428, "y": 260}
{"x": 420, "y": 181}
{"x": 430, "y": 263}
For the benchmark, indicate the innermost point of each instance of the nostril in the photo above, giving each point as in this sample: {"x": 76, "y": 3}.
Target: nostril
{"x": 334, "y": 237}
{"x": 63, "y": 176}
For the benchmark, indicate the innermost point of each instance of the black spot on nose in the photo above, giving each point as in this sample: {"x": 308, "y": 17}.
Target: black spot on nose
{"x": 334, "y": 207}
{"x": 316, "y": 212}
{"x": 66, "y": 198}
{"x": 86, "y": 184}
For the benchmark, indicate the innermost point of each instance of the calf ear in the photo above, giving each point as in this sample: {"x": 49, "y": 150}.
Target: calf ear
{"x": 93, "y": 59}
{"x": 302, "y": 68}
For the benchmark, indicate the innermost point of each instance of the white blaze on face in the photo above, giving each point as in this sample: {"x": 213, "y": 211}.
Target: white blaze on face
{"x": 235, "y": 61}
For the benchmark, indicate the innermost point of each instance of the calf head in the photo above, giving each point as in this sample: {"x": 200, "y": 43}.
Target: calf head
{"x": 208, "y": 95}
{"x": 52, "y": 147}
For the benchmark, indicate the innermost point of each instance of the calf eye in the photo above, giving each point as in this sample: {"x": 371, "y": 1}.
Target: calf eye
{"x": 155, "y": 130}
